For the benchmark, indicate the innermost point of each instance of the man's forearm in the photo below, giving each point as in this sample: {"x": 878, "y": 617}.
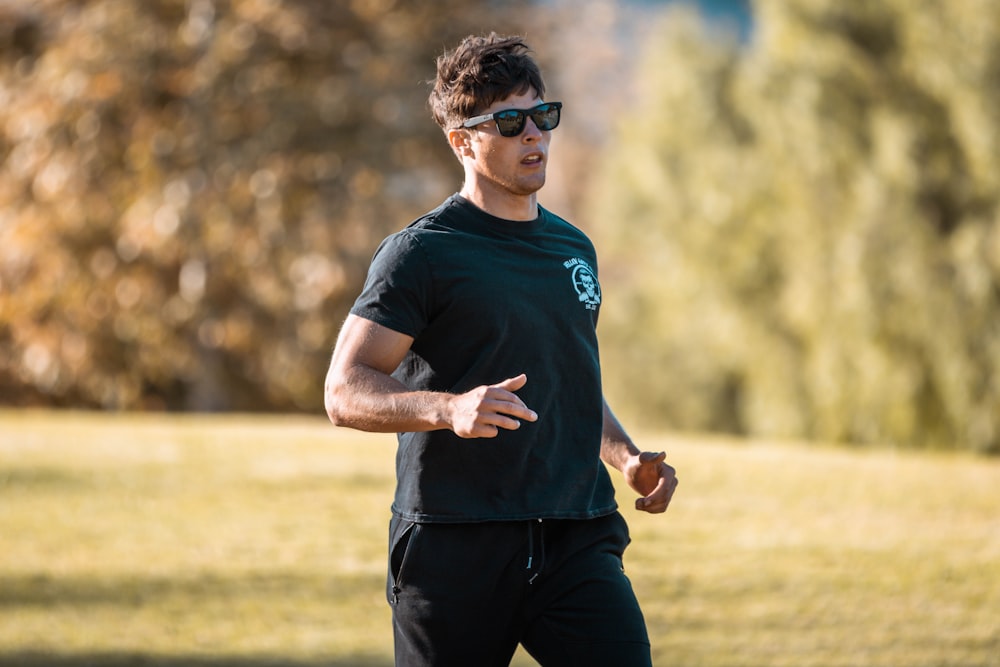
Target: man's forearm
{"x": 366, "y": 399}
{"x": 616, "y": 445}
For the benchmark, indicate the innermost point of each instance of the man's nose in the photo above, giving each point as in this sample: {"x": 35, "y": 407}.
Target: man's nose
{"x": 531, "y": 131}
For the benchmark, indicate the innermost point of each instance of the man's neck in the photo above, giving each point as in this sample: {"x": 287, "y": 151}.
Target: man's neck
{"x": 507, "y": 206}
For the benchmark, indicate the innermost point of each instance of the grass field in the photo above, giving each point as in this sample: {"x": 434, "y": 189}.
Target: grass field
{"x": 238, "y": 541}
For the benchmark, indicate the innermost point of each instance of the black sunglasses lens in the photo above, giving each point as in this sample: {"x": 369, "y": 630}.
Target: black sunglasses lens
{"x": 510, "y": 123}
{"x": 546, "y": 116}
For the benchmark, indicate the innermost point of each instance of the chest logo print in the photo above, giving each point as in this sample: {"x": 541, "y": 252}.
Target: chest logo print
{"x": 585, "y": 283}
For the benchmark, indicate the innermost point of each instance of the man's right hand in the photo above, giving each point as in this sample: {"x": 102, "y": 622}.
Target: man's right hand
{"x": 483, "y": 411}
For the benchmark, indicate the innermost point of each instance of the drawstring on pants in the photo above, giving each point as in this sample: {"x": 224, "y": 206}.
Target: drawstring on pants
{"x": 531, "y": 549}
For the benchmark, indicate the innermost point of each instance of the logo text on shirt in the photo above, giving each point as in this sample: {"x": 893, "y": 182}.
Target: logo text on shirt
{"x": 585, "y": 283}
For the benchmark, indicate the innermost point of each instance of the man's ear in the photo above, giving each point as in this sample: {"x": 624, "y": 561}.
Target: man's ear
{"x": 460, "y": 140}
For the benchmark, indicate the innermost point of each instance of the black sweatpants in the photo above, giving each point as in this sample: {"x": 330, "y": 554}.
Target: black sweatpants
{"x": 466, "y": 594}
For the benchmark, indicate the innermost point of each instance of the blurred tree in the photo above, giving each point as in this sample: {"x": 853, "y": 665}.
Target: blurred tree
{"x": 811, "y": 226}
{"x": 190, "y": 190}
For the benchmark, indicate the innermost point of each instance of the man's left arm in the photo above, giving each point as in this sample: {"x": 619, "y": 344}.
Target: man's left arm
{"x": 646, "y": 472}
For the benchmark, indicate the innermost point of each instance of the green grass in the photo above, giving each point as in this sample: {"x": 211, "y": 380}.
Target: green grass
{"x": 235, "y": 541}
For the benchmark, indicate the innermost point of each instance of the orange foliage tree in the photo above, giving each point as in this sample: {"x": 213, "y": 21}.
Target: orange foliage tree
{"x": 190, "y": 191}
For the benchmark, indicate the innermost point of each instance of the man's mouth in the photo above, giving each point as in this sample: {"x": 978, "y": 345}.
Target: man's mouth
{"x": 532, "y": 159}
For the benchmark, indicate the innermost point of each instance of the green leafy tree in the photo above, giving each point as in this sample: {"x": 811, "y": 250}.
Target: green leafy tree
{"x": 810, "y": 226}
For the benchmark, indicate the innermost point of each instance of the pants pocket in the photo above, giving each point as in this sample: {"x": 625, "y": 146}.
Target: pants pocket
{"x": 400, "y": 534}
{"x": 618, "y": 536}
{"x": 623, "y": 530}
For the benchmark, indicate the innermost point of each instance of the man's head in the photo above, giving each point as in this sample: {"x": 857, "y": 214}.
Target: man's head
{"x": 488, "y": 100}
{"x": 479, "y": 72}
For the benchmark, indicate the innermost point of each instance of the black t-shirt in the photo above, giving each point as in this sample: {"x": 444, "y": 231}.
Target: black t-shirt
{"x": 486, "y": 299}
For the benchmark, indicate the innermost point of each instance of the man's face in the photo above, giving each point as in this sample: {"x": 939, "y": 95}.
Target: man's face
{"x": 512, "y": 165}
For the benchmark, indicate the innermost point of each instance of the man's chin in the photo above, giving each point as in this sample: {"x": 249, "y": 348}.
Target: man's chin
{"x": 527, "y": 187}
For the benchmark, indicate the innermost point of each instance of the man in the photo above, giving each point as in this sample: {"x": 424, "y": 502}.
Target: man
{"x": 474, "y": 339}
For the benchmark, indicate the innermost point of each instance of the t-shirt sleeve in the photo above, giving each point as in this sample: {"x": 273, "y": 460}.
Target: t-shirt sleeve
{"x": 398, "y": 287}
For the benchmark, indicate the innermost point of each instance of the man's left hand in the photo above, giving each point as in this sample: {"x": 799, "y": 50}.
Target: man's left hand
{"x": 649, "y": 475}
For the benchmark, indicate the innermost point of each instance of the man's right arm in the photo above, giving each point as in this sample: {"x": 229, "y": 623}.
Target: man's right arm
{"x": 361, "y": 393}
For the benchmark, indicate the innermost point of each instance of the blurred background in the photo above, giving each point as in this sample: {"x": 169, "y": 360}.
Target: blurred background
{"x": 795, "y": 202}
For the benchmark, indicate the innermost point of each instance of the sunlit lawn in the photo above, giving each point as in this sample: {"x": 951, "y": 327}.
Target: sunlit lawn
{"x": 248, "y": 541}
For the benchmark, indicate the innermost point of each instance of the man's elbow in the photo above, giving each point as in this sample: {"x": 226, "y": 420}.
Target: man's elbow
{"x": 333, "y": 399}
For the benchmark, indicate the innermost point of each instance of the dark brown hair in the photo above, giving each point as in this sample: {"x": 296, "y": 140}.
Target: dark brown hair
{"x": 477, "y": 73}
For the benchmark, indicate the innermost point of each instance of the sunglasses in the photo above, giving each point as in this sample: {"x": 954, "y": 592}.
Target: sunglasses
{"x": 511, "y": 122}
